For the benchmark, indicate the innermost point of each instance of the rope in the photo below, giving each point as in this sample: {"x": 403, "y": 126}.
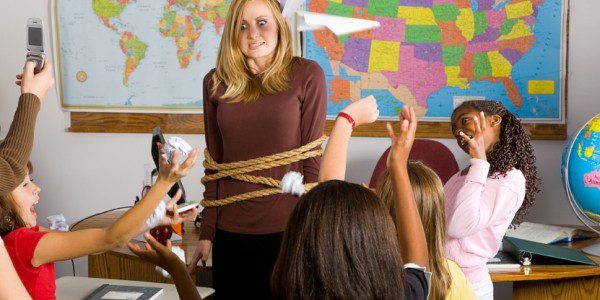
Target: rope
{"x": 239, "y": 170}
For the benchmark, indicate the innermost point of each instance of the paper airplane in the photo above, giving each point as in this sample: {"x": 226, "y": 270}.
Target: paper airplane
{"x": 290, "y": 6}
{"x": 338, "y": 25}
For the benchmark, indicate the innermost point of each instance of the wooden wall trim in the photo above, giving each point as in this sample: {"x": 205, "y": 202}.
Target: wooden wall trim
{"x": 194, "y": 124}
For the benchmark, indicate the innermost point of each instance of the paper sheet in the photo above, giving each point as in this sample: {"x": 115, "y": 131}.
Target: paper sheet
{"x": 338, "y": 25}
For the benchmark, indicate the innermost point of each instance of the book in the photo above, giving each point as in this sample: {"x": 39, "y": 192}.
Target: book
{"x": 503, "y": 261}
{"x": 542, "y": 254}
{"x": 548, "y": 234}
{"x": 125, "y": 292}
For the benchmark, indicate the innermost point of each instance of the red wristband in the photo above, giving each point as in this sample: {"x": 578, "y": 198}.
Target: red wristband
{"x": 347, "y": 117}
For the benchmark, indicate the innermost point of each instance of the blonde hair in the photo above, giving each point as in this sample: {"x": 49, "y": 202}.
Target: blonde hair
{"x": 429, "y": 196}
{"x": 232, "y": 69}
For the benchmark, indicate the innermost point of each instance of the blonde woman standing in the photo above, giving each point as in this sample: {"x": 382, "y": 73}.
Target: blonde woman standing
{"x": 259, "y": 100}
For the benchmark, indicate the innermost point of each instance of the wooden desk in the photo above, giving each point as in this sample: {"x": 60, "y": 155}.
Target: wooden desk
{"x": 555, "y": 282}
{"x": 120, "y": 263}
{"x": 539, "y": 282}
{"x": 76, "y": 288}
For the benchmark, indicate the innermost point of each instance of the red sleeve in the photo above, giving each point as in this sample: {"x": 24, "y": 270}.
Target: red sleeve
{"x": 214, "y": 144}
{"x": 25, "y": 241}
{"x": 314, "y": 111}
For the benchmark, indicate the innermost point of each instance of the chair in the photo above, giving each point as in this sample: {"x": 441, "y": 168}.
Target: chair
{"x": 432, "y": 153}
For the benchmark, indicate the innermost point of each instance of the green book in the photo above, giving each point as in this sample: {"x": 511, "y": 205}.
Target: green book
{"x": 542, "y": 254}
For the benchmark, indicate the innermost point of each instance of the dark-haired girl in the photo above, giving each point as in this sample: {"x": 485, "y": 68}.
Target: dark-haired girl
{"x": 493, "y": 193}
{"x": 340, "y": 241}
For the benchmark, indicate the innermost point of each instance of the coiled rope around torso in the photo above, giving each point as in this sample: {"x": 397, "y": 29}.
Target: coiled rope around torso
{"x": 239, "y": 170}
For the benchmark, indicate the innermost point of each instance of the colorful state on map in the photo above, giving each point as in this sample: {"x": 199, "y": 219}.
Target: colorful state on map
{"x": 428, "y": 51}
{"x": 184, "y": 20}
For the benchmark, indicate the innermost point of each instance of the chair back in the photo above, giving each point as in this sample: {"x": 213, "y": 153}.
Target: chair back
{"x": 432, "y": 153}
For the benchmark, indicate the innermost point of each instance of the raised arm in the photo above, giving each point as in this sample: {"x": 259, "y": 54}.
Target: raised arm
{"x": 11, "y": 286}
{"x": 163, "y": 257}
{"x": 411, "y": 236}
{"x": 333, "y": 165}
{"x": 16, "y": 148}
{"x": 56, "y": 246}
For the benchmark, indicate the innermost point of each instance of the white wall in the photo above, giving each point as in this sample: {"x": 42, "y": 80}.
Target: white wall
{"x": 81, "y": 174}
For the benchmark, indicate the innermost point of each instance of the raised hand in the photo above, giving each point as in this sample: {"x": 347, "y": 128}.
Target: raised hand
{"x": 403, "y": 140}
{"x": 156, "y": 253}
{"x": 171, "y": 170}
{"x": 173, "y": 217}
{"x": 163, "y": 257}
{"x": 363, "y": 111}
{"x": 476, "y": 144}
{"x": 37, "y": 84}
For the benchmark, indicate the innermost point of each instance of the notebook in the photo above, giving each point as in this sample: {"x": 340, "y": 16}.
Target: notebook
{"x": 124, "y": 292}
{"x": 548, "y": 234}
{"x": 542, "y": 254}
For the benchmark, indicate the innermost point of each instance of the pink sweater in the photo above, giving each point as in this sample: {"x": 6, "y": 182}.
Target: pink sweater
{"x": 478, "y": 212}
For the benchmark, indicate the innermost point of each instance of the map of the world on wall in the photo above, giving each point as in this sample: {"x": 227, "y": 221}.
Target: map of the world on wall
{"x": 136, "y": 54}
{"x": 434, "y": 54}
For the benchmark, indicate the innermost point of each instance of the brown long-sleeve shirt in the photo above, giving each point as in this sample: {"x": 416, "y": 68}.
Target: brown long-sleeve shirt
{"x": 16, "y": 147}
{"x": 271, "y": 124}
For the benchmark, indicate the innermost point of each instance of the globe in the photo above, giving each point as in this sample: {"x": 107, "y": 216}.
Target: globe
{"x": 581, "y": 176}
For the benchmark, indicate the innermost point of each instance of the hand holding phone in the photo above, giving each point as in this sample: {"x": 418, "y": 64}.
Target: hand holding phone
{"x": 35, "y": 43}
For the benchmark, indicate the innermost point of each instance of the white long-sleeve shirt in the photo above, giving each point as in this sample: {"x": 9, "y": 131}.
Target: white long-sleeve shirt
{"x": 479, "y": 210}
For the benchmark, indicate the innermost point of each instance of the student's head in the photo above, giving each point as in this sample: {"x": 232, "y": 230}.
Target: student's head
{"x": 510, "y": 149}
{"x": 17, "y": 209}
{"x": 429, "y": 197}
{"x": 340, "y": 243}
{"x": 463, "y": 121}
{"x": 255, "y": 34}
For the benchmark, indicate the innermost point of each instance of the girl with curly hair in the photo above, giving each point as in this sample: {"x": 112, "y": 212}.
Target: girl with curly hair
{"x": 493, "y": 193}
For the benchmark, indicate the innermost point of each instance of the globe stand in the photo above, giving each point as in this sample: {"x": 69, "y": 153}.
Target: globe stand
{"x": 593, "y": 249}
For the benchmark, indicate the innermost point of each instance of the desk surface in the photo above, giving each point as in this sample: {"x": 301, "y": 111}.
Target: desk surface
{"x": 76, "y": 288}
{"x": 188, "y": 244}
{"x": 552, "y": 272}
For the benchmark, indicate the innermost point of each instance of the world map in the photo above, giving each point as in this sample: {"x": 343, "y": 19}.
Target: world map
{"x": 434, "y": 54}
{"x": 136, "y": 54}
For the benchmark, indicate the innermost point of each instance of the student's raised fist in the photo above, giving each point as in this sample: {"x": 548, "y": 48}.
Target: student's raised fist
{"x": 363, "y": 111}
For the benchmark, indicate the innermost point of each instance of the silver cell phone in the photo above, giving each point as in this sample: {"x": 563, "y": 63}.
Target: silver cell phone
{"x": 35, "y": 43}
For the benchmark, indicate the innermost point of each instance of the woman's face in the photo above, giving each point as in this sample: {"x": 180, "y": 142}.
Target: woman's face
{"x": 463, "y": 121}
{"x": 258, "y": 36}
{"x": 26, "y": 196}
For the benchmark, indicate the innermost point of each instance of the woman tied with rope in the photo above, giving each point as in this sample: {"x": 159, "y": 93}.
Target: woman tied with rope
{"x": 264, "y": 116}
